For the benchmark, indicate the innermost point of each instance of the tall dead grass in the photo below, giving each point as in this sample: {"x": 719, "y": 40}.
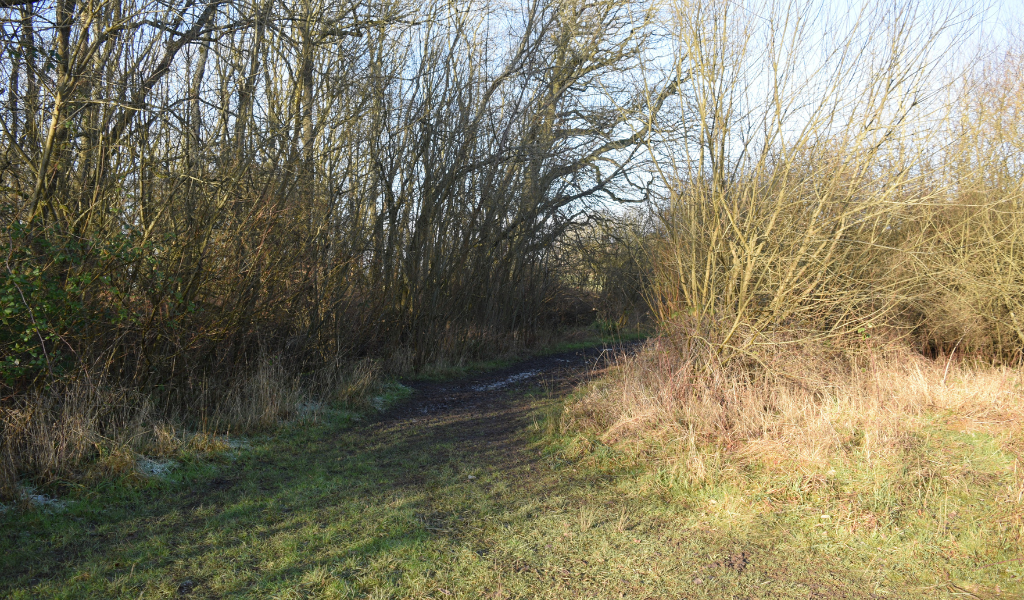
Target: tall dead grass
{"x": 47, "y": 433}
{"x": 83, "y": 429}
{"x": 804, "y": 404}
{"x": 80, "y": 430}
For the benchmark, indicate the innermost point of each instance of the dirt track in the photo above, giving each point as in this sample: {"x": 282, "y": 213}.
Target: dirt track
{"x": 491, "y": 390}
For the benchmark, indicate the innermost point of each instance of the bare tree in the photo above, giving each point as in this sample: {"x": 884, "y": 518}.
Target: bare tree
{"x": 786, "y": 165}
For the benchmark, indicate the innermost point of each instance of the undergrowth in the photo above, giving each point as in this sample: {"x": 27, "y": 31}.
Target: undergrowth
{"x": 524, "y": 498}
{"x": 80, "y": 431}
{"x": 910, "y": 461}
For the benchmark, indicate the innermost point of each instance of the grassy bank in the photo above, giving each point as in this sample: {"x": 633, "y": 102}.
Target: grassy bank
{"x": 498, "y": 498}
{"x": 81, "y": 432}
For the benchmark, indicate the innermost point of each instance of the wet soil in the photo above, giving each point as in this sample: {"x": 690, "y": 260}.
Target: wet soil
{"x": 556, "y": 372}
{"x": 486, "y": 413}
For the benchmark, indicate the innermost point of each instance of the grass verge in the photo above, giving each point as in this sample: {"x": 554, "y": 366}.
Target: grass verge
{"x": 499, "y": 499}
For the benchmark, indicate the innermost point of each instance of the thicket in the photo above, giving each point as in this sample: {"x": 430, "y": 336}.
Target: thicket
{"x": 825, "y": 174}
{"x": 191, "y": 190}
{"x": 198, "y": 198}
{"x": 836, "y": 200}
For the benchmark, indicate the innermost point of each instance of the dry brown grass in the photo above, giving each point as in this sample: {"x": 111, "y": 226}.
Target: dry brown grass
{"x": 86, "y": 430}
{"x": 807, "y": 404}
{"x": 52, "y": 434}
{"x": 256, "y": 401}
{"x": 347, "y": 384}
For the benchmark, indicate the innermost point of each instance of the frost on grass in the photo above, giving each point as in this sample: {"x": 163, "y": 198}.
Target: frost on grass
{"x": 308, "y": 411}
{"x": 40, "y": 501}
{"x": 149, "y": 467}
{"x": 47, "y": 502}
{"x": 239, "y": 443}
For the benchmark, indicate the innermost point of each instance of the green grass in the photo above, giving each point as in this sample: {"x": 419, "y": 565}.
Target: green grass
{"x": 596, "y": 339}
{"x": 497, "y": 503}
{"x": 387, "y": 394}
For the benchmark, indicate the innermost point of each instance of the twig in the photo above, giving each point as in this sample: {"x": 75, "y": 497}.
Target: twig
{"x": 950, "y": 360}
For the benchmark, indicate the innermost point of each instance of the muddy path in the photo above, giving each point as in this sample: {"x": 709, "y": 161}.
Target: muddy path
{"x": 495, "y": 388}
{"x": 485, "y": 413}
{"x": 477, "y": 422}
